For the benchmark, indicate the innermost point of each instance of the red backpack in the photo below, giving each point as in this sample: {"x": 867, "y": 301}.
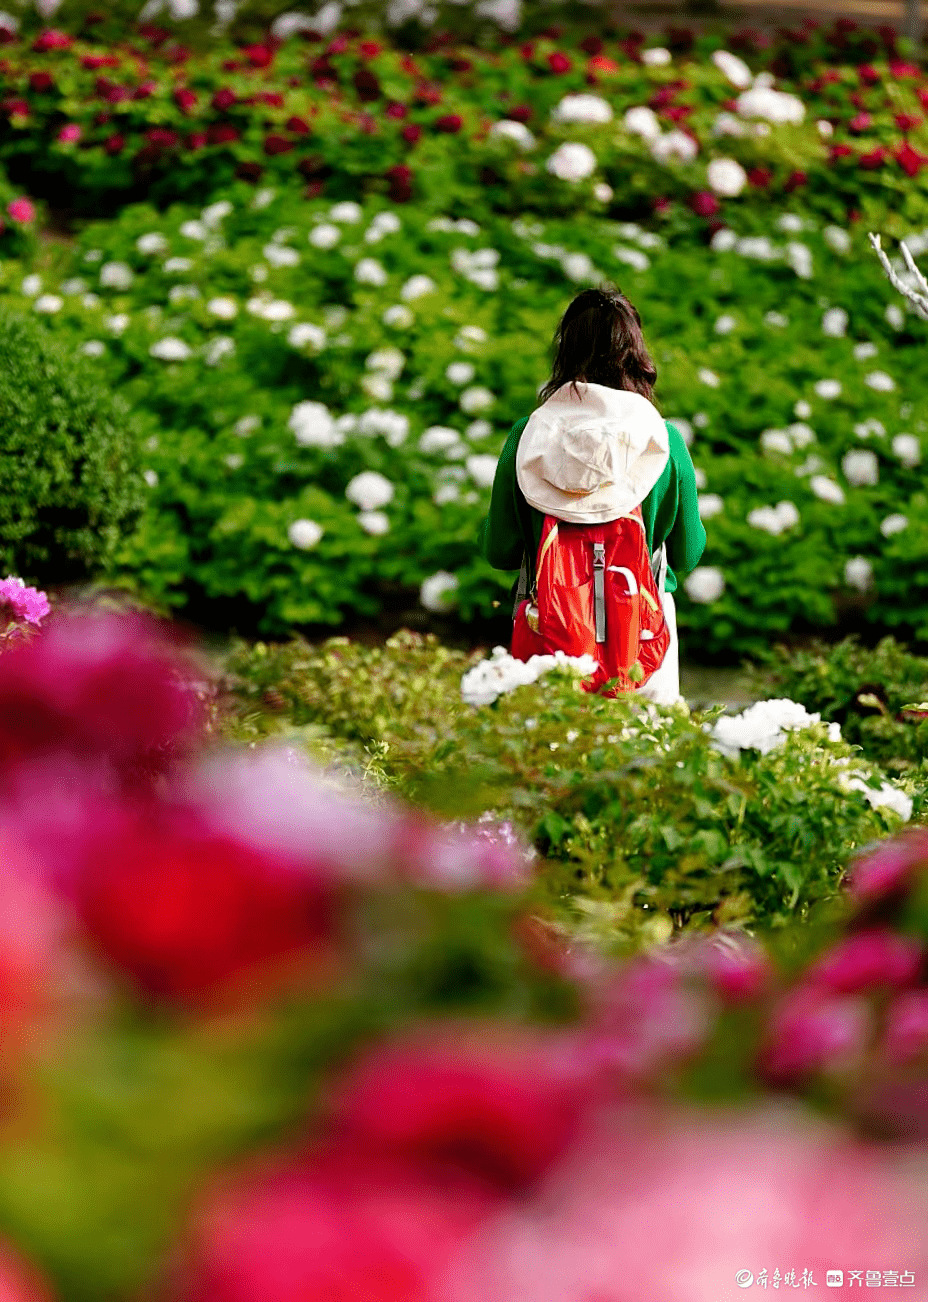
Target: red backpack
{"x": 596, "y": 594}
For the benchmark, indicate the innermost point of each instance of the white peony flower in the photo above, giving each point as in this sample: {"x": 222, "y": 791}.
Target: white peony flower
{"x": 894, "y": 524}
{"x": 824, "y": 128}
{"x": 675, "y": 145}
{"x": 118, "y": 323}
{"x": 776, "y": 320}
{"x": 116, "y": 275}
{"x": 151, "y": 478}
{"x": 725, "y": 324}
{"x": 279, "y": 255}
{"x": 370, "y": 490}
{"x": 685, "y": 428}
{"x": 49, "y": 304}
{"x": 764, "y": 725}
{"x": 726, "y": 176}
{"x": 482, "y": 469}
{"x": 643, "y": 121}
{"x": 31, "y": 286}
{"x": 758, "y": 246}
{"x": 388, "y": 361}
{"x": 500, "y": 674}
{"x": 802, "y": 409}
{"x": 860, "y": 467}
{"x": 572, "y": 162}
{"x": 827, "y": 490}
{"x": 701, "y": 420}
{"x": 171, "y": 350}
{"x": 153, "y": 242}
{"x": 774, "y": 519}
{"x": 863, "y": 429}
{"x": 437, "y": 591}
{"x": 271, "y": 309}
{"x": 705, "y": 376}
{"x": 895, "y": 316}
{"x": 234, "y": 460}
{"x": 705, "y": 585}
{"x": 723, "y": 241}
{"x": 438, "y": 438}
{"x": 446, "y": 493}
{"x": 392, "y": 425}
{"x": 460, "y": 372}
{"x": 579, "y": 267}
{"x": 218, "y": 348}
{"x": 726, "y": 124}
{"x": 183, "y": 293}
{"x": 305, "y": 534}
{"x": 215, "y": 214}
{"x": 801, "y": 434}
{"x": 225, "y": 308}
{"x": 582, "y": 108}
{"x": 700, "y": 477}
{"x": 73, "y": 286}
{"x": 313, "y": 426}
{"x": 735, "y": 69}
{"x": 375, "y": 523}
{"x": 880, "y": 381}
{"x": 479, "y": 429}
{"x": 835, "y": 322}
{"x": 885, "y": 796}
{"x": 194, "y": 230}
{"x": 908, "y": 449}
{"x": 603, "y": 192}
{"x": 347, "y": 212}
{"x": 469, "y": 337}
{"x": 775, "y": 106}
{"x": 858, "y": 573}
{"x": 633, "y": 257}
{"x": 827, "y": 388}
{"x": 507, "y": 14}
{"x": 863, "y": 352}
{"x": 177, "y": 266}
{"x": 399, "y": 315}
{"x": 307, "y": 335}
{"x": 370, "y": 272}
{"x": 777, "y": 440}
{"x": 263, "y": 198}
{"x": 93, "y": 348}
{"x": 377, "y": 386}
{"x": 325, "y": 236}
{"x": 710, "y": 505}
{"x": 791, "y": 222}
{"x": 417, "y": 287}
{"x": 246, "y": 425}
{"x": 517, "y": 132}
{"x": 476, "y": 399}
{"x": 657, "y": 57}
{"x": 382, "y": 224}
{"x": 799, "y": 257}
{"x": 837, "y": 239}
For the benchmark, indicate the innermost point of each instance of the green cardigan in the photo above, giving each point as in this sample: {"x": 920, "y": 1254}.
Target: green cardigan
{"x": 670, "y": 511}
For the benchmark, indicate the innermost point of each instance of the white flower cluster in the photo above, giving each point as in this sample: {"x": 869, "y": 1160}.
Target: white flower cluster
{"x": 860, "y": 467}
{"x": 582, "y": 108}
{"x": 764, "y": 725}
{"x": 735, "y": 69}
{"x": 774, "y": 519}
{"x": 479, "y": 266}
{"x": 572, "y": 162}
{"x": 517, "y": 132}
{"x": 762, "y": 101}
{"x": 886, "y": 796}
{"x": 500, "y": 674}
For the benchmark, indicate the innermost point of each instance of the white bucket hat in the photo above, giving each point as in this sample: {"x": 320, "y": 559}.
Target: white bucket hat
{"x": 590, "y": 456}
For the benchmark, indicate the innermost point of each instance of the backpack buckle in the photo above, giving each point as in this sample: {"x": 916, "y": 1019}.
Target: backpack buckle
{"x": 599, "y": 589}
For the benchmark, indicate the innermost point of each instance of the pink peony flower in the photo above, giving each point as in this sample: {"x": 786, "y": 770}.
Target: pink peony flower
{"x": 412, "y": 133}
{"x": 259, "y": 56}
{"x": 70, "y": 133}
{"x": 18, "y": 602}
{"x": 21, "y": 210}
{"x": 910, "y": 160}
{"x": 810, "y": 1031}
{"x": 114, "y": 144}
{"x": 185, "y": 98}
{"x": 907, "y": 121}
{"x": 51, "y": 39}
{"x": 868, "y": 74}
{"x": 559, "y": 63}
{"x": 889, "y": 869}
{"x": 872, "y": 161}
{"x": 861, "y": 122}
{"x": 224, "y": 99}
{"x": 704, "y": 203}
{"x": 899, "y": 68}
{"x": 906, "y": 1035}
{"x": 450, "y": 123}
{"x": 397, "y": 110}
{"x": 867, "y": 959}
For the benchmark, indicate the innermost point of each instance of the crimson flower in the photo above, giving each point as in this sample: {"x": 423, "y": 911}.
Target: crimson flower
{"x": 795, "y": 180}
{"x": 163, "y": 137}
{"x": 272, "y": 98}
{"x": 877, "y": 957}
{"x": 559, "y": 62}
{"x": 16, "y": 108}
{"x": 599, "y": 63}
{"x": 868, "y": 74}
{"x": 677, "y": 112}
{"x": 923, "y": 97}
{"x": 412, "y": 133}
{"x": 367, "y": 86}
{"x": 839, "y": 151}
{"x": 221, "y": 133}
{"x": 704, "y": 203}
{"x": 145, "y": 90}
{"x": 888, "y": 871}
{"x": 224, "y": 99}
{"x": 94, "y": 61}
{"x": 338, "y": 45}
{"x": 527, "y": 50}
{"x": 259, "y": 56}
{"x": 196, "y": 140}
{"x": 760, "y": 177}
{"x": 396, "y": 110}
{"x": 230, "y": 65}
{"x": 811, "y": 1030}
{"x": 450, "y": 123}
{"x": 907, "y": 121}
{"x": 873, "y": 160}
{"x": 249, "y": 172}
{"x": 299, "y": 126}
{"x": 910, "y": 160}
{"x": 21, "y": 210}
{"x": 185, "y": 98}
{"x": 275, "y": 144}
{"x": 70, "y": 133}
{"x": 369, "y": 49}
{"x": 592, "y": 45}
{"x": 41, "y": 82}
{"x": 400, "y": 179}
{"x": 862, "y": 122}
{"x": 520, "y": 113}
{"x": 899, "y": 68}
{"x": 51, "y": 39}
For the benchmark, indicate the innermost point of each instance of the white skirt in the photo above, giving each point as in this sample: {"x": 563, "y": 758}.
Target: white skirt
{"x": 663, "y": 688}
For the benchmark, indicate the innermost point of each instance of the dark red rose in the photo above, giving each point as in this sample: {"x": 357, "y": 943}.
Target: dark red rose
{"x": 450, "y": 124}
{"x": 527, "y": 50}
{"x": 94, "y": 61}
{"x": 907, "y": 121}
{"x": 338, "y": 45}
{"x": 910, "y": 160}
{"x": 704, "y": 203}
{"x": 51, "y": 39}
{"x": 185, "y": 98}
{"x": 868, "y": 74}
{"x": 275, "y": 144}
{"x": 412, "y": 133}
{"x": 196, "y": 140}
{"x": 759, "y": 177}
{"x": 520, "y": 113}
{"x": 369, "y": 49}
{"x": 163, "y": 137}
{"x": 299, "y": 126}
{"x": 874, "y": 159}
{"x": 559, "y": 63}
{"x": 145, "y": 90}
{"x": 114, "y": 144}
{"x": 899, "y": 68}
{"x": 400, "y": 178}
{"x": 839, "y": 151}
{"x": 41, "y": 82}
{"x": 259, "y": 56}
{"x": 795, "y": 181}
{"x": 592, "y": 45}
{"x": 395, "y": 110}
{"x": 221, "y": 134}
{"x": 16, "y": 108}
{"x": 224, "y": 99}
{"x": 367, "y": 86}
{"x": 249, "y": 172}
{"x": 272, "y": 98}
{"x": 862, "y": 122}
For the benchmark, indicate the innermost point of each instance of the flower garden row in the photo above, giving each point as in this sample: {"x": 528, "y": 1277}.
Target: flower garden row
{"x": 87, "y": 124}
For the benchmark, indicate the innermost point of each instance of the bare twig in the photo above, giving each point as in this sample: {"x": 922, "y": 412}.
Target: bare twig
{"x": 917, "y": 297}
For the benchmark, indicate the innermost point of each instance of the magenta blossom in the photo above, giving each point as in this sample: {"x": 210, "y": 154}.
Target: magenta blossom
{"x": 20, "y": 603}
{"x": 21, "y": 210}
{"x": 811, "y": 1031}
{"x": 889, "y": 869}
{"x": 70, "y": 133}
{"x": 907, "y": 1026}
{"x": 871, "y": 958}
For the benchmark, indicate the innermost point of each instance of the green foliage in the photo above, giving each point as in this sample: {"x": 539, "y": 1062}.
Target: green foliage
{"x": 864, "y": 689}
{"x": 646, "y": 825}
{"x": 68, "y": 460}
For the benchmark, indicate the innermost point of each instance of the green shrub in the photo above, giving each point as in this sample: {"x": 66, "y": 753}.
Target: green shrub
{"x": 68, "y": 460}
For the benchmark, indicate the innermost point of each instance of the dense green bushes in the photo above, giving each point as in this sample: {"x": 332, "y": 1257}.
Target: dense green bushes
{"x": 69, "y": 455}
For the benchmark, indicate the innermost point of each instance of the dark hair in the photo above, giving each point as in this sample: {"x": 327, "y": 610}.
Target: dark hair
{"x": 599, "y": 340}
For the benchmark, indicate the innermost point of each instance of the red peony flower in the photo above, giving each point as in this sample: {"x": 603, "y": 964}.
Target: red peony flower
{"x": 185, "y": 98}
{"x": 910, "y": 160}
{"x": 299, "y": 126}
{"x": 94, "y": 61}
{"x": 839, "y": 151}
{"x": 759, "y": 177}
{"x": 338, "y": 45}
{"x": 224, "y": 99}
{"x": 275, "y": 144}
{"x": 704, "y": 203}
{"x": 907, "y": 1027}
{"x": 678, "y": 112}
{"x": 795, "y": 181}
{"x": 272, "y": 98}
{"x": 899, "y": 68}
{"x": 559, "y": 63}
{"x": 868, "y": 74}
{"x": 51, "y": 39}
{"x": 592, "y": 45}
{"x": 661, "y": 205}
{"x": 70, "y": 133}
{"x": 867, "y": 959}
{"x": 873, "y": 160}
{"x": 395, "y": 110}
{"x": 599, "y": 63}
{"x": 400, "y": 179}
{"x": 41, "y": 82}
{"x": 862, "y": 122}
{"x": 907, "y": 121}
{"x": 145, "y": 90}
{"x": 812, "y": 1030}
{"x": 315, "y": 189}
{"x": 521, "y": 113}
{"x": 922, "y": 97}
{"x": 428, "y": 94}
{"x": 221, "y": 133}
{"x": 183, "y": 908}
{"x": 527, "y": 50}
{"x": 196, "y": 140}
{"x": 114, "y": 144}
{"x": 367, "y": 86}
{"x": 163, "y": 137}
{"x": 21, "y": 210}
{"x": 450, "y": 123}
{"x": 16, "y": 108}
{"x": 369, "y": 49}
{"x": 259, "y": 56}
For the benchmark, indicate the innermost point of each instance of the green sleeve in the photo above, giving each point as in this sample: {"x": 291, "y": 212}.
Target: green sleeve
{"x": 671, "y": 511}
{"x": 509, "y": 523}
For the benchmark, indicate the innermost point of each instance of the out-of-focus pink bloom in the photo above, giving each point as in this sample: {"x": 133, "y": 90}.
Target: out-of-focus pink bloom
{"x": 874, "y": 159}
{"x": 17, "y": 602}
{"x": 868, "y": 74}
{"x": 861, "y": 122}
{"x": 907, "y": 121}
{"x": 70, "y": 133}
{"x": 910, "y": 160}
{"x": 462, "y": 857}
{"x": 559, "y": 63}
{"x": 51, "y": 39}
{"x": 19, "y": 1282}
{"x": 503, "y": 1109}
{"x": 795, "y": 181}
{"x": 111, "y": 690}
{"x": 224, "y": 99}
{"x": 396, "y": 110}
{"x": 275, "y": 144}
{"x": 810, "y": 1031}
{"x": 736, "y": 966}
{"x": 349, "y": 1228}
{"x": 412, "y": 133}
{"x": 689, "y": 1208}
{"x": 899, "y": 68}
{"x": 867, "y": 959}
{"x": 31, "y": 946}
{"x": 906, "y": 1034}
{"x": 185, "y": 910}
{"x": 114, "y": 144}
{"x": 704, "y": 203}
{"x": 21, "y": 210}
{"x": 889, "y": 869}
{"x": 185, "y": 99}
{"x": 259, "y": 56}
